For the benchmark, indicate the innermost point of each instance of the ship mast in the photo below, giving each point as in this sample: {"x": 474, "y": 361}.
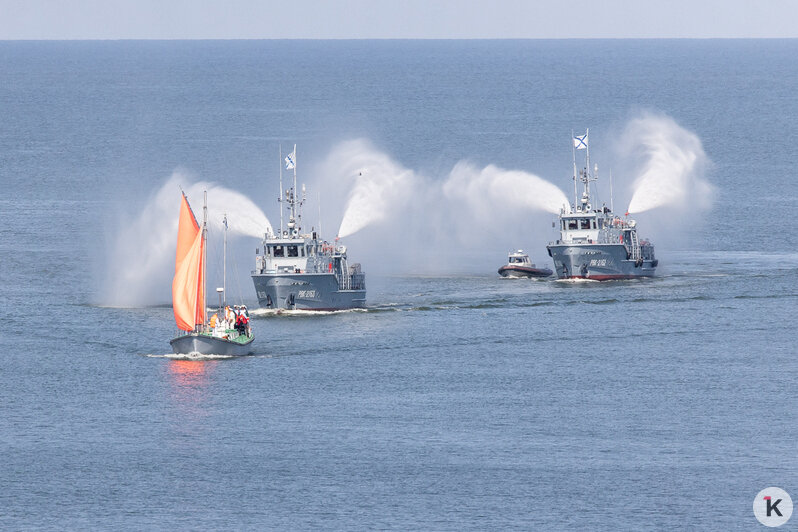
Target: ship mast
{"x": 587, "y": 165}
{"x": 573, "y": 152}
{"x": 612, "y": 208}
{"x": 294, "y": 222}
{"x": 293, "y": 190}
{"x": 584, "y": 175}
{"x": 280, "y": 197}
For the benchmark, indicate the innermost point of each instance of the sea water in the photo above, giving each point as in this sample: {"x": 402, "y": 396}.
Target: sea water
{"x": 456, "y": 400}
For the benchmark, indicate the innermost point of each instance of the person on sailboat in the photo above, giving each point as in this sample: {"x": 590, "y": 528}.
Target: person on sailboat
{"x": 240, "y": 326}
{"x": 229, "y": 318}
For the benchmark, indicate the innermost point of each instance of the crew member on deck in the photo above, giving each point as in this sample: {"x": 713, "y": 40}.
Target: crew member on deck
{"x": 240, "y": 327}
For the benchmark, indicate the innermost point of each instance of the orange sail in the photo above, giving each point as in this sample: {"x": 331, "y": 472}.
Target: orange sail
{"x": 188, "y": 285}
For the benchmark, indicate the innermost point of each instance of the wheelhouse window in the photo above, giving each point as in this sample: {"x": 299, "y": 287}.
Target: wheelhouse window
{"x": 584, "y": 223}
{"x": 573, "y": 223}
{"x": 278, "y": 251}
{"x": 293, "y": 251}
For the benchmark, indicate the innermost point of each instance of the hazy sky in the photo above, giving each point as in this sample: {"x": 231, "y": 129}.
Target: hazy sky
{"x": 370, "y": 19}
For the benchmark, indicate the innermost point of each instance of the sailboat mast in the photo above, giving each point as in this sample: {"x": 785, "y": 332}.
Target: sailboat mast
{"x": 224, "y": 264}
{"x": 204, "y": 256}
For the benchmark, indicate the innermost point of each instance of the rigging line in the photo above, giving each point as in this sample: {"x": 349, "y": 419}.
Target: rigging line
{"x": 215, "y": 251}
{"x": 238, "y": 281}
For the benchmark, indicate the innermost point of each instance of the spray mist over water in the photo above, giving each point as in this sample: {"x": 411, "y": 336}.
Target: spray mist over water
{"x": 672, "y": 165}
{"x": 424, "y": 223}
{"x": 466, "y": 219}
{"x": 380, "y": 184}
{"x": 493, "y": 188}
{"x": 140, "y": 265}
{"x": 383, "y": 188}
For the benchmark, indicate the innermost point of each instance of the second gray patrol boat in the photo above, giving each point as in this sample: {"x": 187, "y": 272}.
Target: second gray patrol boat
{"x": 299, "y": 271}
{"x": 595, "y": 243}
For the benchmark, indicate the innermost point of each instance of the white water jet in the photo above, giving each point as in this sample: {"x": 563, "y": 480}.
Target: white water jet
{"x": 491, "y": 188}
{"x": 382, "y": 188}
{"x": 425, "y": 223}
{"x": 140, "y": 264}
{"x": 380, "y": 184}
{"x": 673, "y": 163}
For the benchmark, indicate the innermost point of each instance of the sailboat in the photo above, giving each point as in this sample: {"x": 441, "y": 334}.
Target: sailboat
{"x": 197, "y": 335}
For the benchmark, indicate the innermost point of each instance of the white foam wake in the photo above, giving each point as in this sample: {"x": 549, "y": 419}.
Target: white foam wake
{"x": 190, "y": 356}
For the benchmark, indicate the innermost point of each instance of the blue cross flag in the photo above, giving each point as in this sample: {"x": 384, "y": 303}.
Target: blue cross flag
{"x": 580, "y": 142}
{"x": 290, "y": 160}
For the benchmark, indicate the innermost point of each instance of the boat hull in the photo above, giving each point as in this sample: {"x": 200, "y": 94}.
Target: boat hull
{"x": 521, "y": 272}
{"x": 305, "y": 291}
{"x": 210, "y": 345}
{"x": 599, "y": 262}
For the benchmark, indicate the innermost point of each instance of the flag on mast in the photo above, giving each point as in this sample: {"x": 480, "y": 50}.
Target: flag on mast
{"x": 290, "y": 160}
{"x": 580, "y": 142}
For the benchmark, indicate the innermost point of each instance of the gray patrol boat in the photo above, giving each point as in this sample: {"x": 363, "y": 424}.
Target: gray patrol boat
{"x": 595, "y": 243}
{"x": 300, "y": 271}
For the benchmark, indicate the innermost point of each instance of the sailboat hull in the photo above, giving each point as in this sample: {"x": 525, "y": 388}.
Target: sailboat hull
{"x": 210, "y": 345}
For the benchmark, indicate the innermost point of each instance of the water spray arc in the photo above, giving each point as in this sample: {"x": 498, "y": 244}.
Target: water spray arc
{"x": 464, "y": 205}
{"x": 140, "y": 274}
{"x": 299, "y": 270}
{"x": 672, "y": 172}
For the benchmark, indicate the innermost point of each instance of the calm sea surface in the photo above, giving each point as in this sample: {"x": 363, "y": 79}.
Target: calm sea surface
{"x": 453, "y": 402}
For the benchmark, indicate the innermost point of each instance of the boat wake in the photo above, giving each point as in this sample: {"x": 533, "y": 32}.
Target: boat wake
{"x": 191, "y": 356}
{"x": 268, "y": 313}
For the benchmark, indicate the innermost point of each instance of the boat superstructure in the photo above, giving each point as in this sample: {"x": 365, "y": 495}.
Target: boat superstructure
{"x": 300, "y": 271}
{"x": 519, "y": 266}
{"x": 595, "y": 243}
